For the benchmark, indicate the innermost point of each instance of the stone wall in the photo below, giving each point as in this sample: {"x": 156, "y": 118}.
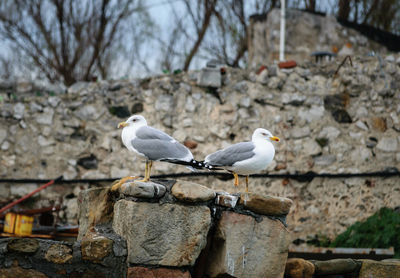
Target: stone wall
{"x": 188, "y": 229}
{"x": 327, "y": 125}
{"x": 305, "y": 33}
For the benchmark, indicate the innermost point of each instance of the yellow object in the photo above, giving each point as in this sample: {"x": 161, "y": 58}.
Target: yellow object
{"x": 9, "y": 223}
{"x": 23, "y": 225}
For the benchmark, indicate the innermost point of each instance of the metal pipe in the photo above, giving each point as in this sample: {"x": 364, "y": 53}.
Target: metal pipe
{"x": 282, "y": 37}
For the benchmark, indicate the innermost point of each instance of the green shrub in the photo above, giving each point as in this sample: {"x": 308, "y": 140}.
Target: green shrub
{"x": 381, "y": 230}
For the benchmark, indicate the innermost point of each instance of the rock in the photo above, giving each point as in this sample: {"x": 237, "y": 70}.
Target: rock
{"x": 144, "y": 272}
{"x": 190, "y": 144}
{"x": 226, "y": 200}
{"x": 120, "y": 111}
{"x": 361, "y": 125}
{"x": 329, "y": 132}
{"x": 190, "y": 106}
{"x": 95, "y": 208}
{"x": 96, "y": 249}
{"x": 164, "y": 103}
{"x": 294, "y": 99}
{"x": 209, "y": 77}
{"x": 18, "y": 110}
{"x": 300, "y": 132}
{"x": 315, "y": 113}
{"x": 44, "y": 142}
{"x": 22, "y": 189}
{"x": 324, "y": 160}
{"x": 299, "y": 268}
{"x": 178, "y": 233}
{"x": 192, "y": 192}
{"x": 244, "y": 247}
{"x": 335, "y": 267}
{"x": 266, "y": 205}
{"x": 89, "y": 112}
{"x": 23, "y": 86}
{"x": 5, "y": 146}
{"x": 77, "y": 87}
{"x": 387, "y": 144}
{"x": 17, "y": 271}
{"x": 137, "y": 108}
{"x": 45, "y": 118}
{"x": 88, "y": 162}
{"x": 376, "y": 269}
{"x": 3, "y": 135}
{"x": 143, "y": 189}
{"x": 341, "y": 116}
{"x": 241, "y": 86}
{"x": 23, "y": 245}
{"x": 59, "y": 254}
{"x": 54, "y": 101}
{"x": 310, "y": 147}
{"x": 379, "y": 124}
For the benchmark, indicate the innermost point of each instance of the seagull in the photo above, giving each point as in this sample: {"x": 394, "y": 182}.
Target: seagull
{"x": 245, "y": 158}
{"x": 153, "y": 145}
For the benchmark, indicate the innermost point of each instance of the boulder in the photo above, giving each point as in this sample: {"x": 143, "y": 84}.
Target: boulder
{"x": 226, "y": 200}
{"x": 376, "y": 269}
{"x": 23, "y": 245}
{"x": 266, "y": 205}
{"x": 96, "y": 249}
{"x": 335, "y": 267}
{"x": 143, "y": 189}
{"x": 162, "y": 234}
{"x": 299, "y": 268}
{"x": 59, "y": 254}
{"x": 192, "y": 192}
{"x": 244, "y": 247}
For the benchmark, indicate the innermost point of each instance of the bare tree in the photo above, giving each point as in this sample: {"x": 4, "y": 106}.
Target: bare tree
{"x": 67, "y": 40}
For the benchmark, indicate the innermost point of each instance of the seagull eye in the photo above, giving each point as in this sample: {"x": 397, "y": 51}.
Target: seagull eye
{"x": 134, "y": 120}
{"x": 263, "y": 134}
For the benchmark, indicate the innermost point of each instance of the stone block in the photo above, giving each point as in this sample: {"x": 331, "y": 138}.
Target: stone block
{"x": 144, "y": 272}
{"x": 377, "y": 269}
{"x": 96, "y": 249}
{"x": 299, "y": 268}
{"x": 192, "y": 192}
{"x": 23, "y": 245}
{"x": 59, "y": 254}
{"x": 226, "y": 200}
{"x": 335, "y": 267}
{"x": 95, "y": 207}
{"x": 209, "y": 77}
{"x": 266, "y": 205}
{"x": 143, "y": 189}
{"x": 243, "y": 247}
{"x": 17, "y": 271}
{"x": 162, "y": 234}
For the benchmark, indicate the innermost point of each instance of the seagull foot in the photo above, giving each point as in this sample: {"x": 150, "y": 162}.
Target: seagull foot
{"x": 143, "y": 180}
{"x": 117, "y": 184}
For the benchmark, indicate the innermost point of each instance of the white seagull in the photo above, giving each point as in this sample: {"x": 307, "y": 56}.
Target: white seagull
{"x": 153, "y": 145}
{"x": 245, "y": 158}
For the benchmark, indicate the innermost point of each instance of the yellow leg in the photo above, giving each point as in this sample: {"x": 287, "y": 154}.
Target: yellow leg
{"x": 147, "y": 171}
{"x": 117, "y": 184}
{"x": 236, "y": 179}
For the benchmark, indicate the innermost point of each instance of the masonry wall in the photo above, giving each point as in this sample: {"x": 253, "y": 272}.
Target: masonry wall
{"x": 327, "y": 125}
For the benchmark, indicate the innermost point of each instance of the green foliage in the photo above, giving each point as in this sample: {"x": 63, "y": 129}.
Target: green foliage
{"x": 381, "y": 230}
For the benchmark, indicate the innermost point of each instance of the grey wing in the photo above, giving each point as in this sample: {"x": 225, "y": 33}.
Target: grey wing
{"x": 231, "y": 154}
{"x": 156, "y": 145}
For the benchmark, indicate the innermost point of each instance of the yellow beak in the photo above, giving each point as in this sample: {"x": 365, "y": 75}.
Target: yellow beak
{"x": 274, "y": 138}
{"x": 122, "y": 124}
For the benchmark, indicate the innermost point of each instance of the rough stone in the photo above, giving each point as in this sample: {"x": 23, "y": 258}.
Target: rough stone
{"x": 59, "y": 254}
{"x": 95, "y": 249}
{"x": 3, "y": 135}
{"x": 299, "y": 268}
{"x": 226, "y": 200}
{"x": 46, "y": 117}
{"x": 361, "y": 125}
{"x": 18, "y": 110}
{"x": 143, "y": 189}
{"x": 266, "y": 205}
{"x": 209, "y": 77}
{"x": 335, "y": 267}
{"x": 324, "y": 160}
{"x": 192, "y": 192}
{"x": 144, "y": 272}
{"x": 95, "y": 207}
{"x": 162, "y": 234}
{"x": 376, "y": 269}
{"x": 310, "y": 147}
{"x": 387, "y": 144}
{"x": 17, "y": 271}
{"x": 89, "y": 112}
{"x": 300, "y": 132}
{"x": 243, "y": 247}
{"x": 329, "y": 132}
{"x": 23, "y": 245}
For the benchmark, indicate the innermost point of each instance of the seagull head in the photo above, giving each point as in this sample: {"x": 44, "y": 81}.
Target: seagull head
{"x": 261, "y": 133}
{"x": 135, "y": 121}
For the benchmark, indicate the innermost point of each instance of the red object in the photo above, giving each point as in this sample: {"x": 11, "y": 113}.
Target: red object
{"x": 260, "y": 70}
{"x": 10, "y": 205}
{"x": 287, "y": 64}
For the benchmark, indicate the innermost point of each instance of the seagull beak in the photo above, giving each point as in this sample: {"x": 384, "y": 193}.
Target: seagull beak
{"x": 122, "y": 124}
{"x": 274, "y": 138}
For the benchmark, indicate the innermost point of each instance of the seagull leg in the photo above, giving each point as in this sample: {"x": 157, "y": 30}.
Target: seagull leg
{"x": 247, "y": 184}
{"x": 149, "y": 170}
{"x": 146, "y": 172}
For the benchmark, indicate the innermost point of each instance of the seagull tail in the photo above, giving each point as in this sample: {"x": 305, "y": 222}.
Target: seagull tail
{"x": 192, "y": 164}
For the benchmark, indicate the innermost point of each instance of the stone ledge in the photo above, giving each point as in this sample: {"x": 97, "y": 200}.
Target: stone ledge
{"x": 140, "y": 189}
{"x": 265, "y": 205}
{"x": 192, "y": 192}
